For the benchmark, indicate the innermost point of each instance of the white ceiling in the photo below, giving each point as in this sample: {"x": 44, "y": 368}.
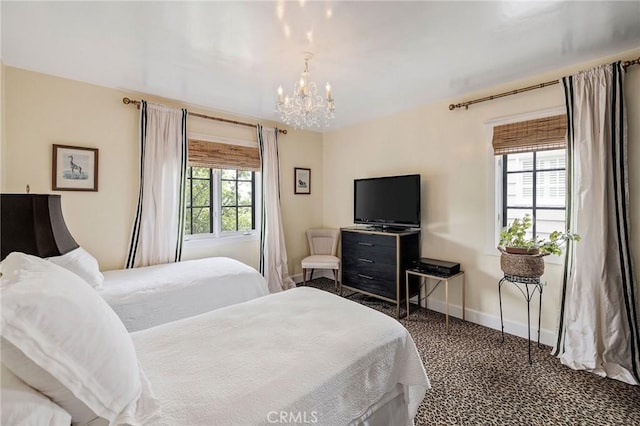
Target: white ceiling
{"x": 380, "y": 57}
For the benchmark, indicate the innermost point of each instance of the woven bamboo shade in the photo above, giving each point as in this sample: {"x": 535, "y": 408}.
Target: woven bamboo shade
{"x": 217, "y": 155}
{"x": 541, "y": 134}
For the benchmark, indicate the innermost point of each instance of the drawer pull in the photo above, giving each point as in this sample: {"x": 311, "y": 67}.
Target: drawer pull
{"x": 365, "y": 276}
{"x": 365, "y": 244}
{"x": 365, "y": 260}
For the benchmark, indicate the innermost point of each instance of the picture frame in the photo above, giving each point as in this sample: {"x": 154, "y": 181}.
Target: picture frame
{"x": 74, "y": 168}
{"x": 301, "y": 180}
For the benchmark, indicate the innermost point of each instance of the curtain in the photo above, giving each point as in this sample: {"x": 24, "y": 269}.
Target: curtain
{"x": 159, "y": 222}
{"x": 598, "y": 328}
{"x": 273, "y": 253}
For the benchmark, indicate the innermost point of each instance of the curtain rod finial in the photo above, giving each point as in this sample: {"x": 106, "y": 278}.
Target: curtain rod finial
{"x": 126, "y": 101}
{"x": 452, "y": 107}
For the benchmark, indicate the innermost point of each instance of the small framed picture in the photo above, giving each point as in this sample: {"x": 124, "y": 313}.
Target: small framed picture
{"x": 74, "y": 168}
{"x": 302, "y": 181}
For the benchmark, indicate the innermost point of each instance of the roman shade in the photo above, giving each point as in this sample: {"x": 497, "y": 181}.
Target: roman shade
{"x": 541, "y": 134}
{"x": 217, "y": 155}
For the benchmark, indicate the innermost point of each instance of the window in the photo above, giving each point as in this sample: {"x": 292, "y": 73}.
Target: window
{"x": 220, "y": 201}
{"x": 530, "y": 173}
{"x": 222, "y": 189}
{"x": 534, "y": 184}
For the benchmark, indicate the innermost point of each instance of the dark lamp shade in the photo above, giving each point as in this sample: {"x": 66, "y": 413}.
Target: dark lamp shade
{"x": 33, "y": 224}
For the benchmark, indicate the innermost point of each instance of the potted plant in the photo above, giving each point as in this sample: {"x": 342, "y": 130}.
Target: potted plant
{"x": 522, "y": 255}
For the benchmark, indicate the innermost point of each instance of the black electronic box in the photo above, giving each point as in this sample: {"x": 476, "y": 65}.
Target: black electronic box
{"x": 437, "y": 267}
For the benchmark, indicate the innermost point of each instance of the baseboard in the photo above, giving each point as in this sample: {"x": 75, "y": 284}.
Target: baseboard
{"x": 547, "y": 337}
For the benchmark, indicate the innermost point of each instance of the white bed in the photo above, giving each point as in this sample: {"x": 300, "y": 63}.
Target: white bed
{"x": 153, "y": 295}
{"x": 303, "y": 356}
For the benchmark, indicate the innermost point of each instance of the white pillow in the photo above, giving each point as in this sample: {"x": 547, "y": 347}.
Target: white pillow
{"x": 23, "y": 405}
{"x": 61, "y": 338}
{"x": 81, "y": 263}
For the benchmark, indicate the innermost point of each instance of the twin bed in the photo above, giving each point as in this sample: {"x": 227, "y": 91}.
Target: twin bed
{"x": 154, "y": 295}
{"x": 223, "y": 352}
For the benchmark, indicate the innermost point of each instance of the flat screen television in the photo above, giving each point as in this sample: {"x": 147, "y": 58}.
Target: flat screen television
{"x": 390, "y": 201}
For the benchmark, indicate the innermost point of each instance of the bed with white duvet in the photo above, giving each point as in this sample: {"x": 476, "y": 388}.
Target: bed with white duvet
{"x": 303, "y": 356}
{"x": 153, "y": 295}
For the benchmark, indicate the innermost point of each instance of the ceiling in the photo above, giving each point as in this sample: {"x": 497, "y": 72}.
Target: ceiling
{"x": 380, "y": 57}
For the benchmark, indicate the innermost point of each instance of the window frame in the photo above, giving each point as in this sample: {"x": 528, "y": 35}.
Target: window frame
{"x": 534, "y": 187}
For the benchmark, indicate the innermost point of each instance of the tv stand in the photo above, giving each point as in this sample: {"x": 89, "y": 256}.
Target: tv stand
{"x": 374, "y": 262}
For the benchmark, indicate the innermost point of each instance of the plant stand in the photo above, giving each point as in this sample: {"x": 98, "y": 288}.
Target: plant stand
{"x": 528, "y": 294}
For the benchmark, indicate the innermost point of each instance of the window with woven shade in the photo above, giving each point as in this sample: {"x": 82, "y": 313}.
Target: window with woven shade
{"x": 532, "y": 161}
{"x": 222, "y": 189}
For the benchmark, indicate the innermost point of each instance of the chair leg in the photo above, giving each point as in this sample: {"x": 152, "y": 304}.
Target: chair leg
{"x": 335, "y": 278}
{"x": 311, "y": 277}
{"x": 304, "y": 276}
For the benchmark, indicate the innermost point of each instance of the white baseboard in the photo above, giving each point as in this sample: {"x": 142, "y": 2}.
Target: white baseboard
{"x": 547, "y": 337}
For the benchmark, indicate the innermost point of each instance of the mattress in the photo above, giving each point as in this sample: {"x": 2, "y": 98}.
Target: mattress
{"x": 153, "y": 295}
{"x": 302, "y": 355}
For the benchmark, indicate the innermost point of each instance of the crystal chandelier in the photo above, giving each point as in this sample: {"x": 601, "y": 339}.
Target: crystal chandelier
{"x": 305, "y": 107}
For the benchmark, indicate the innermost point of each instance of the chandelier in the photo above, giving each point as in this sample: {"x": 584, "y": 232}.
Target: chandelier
{"x": 305, "y": 107}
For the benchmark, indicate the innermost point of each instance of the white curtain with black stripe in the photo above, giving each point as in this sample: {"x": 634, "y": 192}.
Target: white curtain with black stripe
{"x": 273, "y": 253}
{"x": 598, "y": 329}
{"x": 159, "y": 222}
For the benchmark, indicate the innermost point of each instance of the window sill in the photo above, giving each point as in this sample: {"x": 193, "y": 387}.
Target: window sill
{"x": 211, "y": 241}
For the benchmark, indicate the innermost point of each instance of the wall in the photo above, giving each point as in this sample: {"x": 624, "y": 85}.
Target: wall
{"x": 452, "y": 152}
{"x": 41, "y": 110}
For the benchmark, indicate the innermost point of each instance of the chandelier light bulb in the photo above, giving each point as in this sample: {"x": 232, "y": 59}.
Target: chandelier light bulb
{"x": 280, "y": 95}
{"x": 306, "y": 107}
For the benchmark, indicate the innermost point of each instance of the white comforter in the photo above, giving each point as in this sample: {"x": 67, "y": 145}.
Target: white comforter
{"x": 153, "y": 295}
{"x": 302, "y": 351}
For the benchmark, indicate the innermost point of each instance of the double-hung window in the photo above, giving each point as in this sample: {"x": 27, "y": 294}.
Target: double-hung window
{"x": 531, "y": 169}
{"x": 222, "y": 193}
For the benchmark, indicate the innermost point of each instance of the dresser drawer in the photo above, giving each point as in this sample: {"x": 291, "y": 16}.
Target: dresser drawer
{"x": 370, "y": 283}
{"x": 368, "y": 240}
{"x": 384, "y": 267}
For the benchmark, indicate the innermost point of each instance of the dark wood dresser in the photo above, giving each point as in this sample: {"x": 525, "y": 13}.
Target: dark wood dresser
{"x": 374, "y": 262}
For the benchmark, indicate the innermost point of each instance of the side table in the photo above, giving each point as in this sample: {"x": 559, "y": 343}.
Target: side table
{"x": 528, "y": 294}
{"x": 425, "y": 276}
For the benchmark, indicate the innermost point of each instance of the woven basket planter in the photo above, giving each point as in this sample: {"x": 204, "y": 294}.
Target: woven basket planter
{"x": 522, "y": 265}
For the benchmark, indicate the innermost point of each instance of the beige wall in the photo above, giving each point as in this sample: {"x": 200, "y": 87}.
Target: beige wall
{"x": 451, "y": 150}
{"x": 41, "y": 110}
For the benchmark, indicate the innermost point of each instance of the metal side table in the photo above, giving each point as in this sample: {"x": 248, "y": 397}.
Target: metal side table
{"x": 528, "y": 291}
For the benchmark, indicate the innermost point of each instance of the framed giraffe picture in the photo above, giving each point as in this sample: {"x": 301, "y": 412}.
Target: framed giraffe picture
{"x": 74, "y": 168}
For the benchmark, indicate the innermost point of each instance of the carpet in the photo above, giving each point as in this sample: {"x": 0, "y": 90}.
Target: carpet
{"x": 477, "y": 380}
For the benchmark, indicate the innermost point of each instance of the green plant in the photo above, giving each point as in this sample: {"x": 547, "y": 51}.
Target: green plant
{"x": 515, "y": 236}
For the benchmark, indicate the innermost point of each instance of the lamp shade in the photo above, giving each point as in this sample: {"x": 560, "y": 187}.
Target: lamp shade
{"x": 33, "y": 224}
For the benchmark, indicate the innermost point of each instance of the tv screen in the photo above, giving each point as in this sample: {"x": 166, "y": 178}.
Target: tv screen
{"x": 387, "y": 201}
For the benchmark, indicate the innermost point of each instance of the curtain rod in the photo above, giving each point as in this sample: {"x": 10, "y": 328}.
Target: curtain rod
{"x": 128, "y": 101}
{"x": 625, "y": 65}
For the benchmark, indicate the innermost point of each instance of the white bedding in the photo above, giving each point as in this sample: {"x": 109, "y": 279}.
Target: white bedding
{"x": 303, "y": 351}
{"x": 153, "y": 295}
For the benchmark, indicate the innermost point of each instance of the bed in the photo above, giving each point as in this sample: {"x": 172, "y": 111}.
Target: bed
{"x": 302, "y": 356}
{"x": 152, "y": 295}
{"x": 303, "y": 353}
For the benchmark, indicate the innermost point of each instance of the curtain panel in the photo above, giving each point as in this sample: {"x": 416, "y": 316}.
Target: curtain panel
{"x": 273, "y": 253}
{"x": 159, "y": 222}
{"x": 598, "y": 329}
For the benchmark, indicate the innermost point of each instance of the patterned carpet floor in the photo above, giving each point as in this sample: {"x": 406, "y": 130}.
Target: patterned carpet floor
{"x": 477, "y": 380}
